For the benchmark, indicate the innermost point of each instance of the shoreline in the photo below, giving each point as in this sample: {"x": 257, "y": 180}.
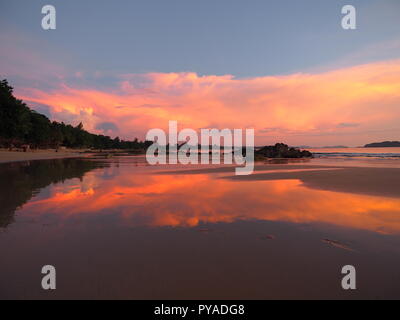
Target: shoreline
{"x": 19, "y": 156}
{"x": 352, "y": 177}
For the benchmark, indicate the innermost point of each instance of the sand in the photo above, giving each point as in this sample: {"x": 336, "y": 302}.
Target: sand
{"x": 15, "y": 156}
{"x": 371, "y": 181}
{"x": 374, "y": 181}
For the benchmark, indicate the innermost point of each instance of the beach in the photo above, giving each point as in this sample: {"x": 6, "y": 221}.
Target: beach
{"x": 283, "y": 232}
{"x": 15, "y": 156}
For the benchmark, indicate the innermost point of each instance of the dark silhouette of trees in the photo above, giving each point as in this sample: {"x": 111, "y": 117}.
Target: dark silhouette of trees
{"x": 20, "y": 125}
{"x": 14, "y": 114}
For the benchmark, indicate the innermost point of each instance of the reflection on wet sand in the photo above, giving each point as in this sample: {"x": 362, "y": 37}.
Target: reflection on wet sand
{"x": 22, "y": 180}
{"x": 369, "y": 181}
{"x": 118, "y": 229}
{"x": 188, "y": 200}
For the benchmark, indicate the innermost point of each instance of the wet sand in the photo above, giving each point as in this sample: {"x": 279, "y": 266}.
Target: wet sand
{"x": 375, "y": 181}
{"x": 370, "y": 181}
{"x": 15, "y": 156}
{"x": 120, "y": 229}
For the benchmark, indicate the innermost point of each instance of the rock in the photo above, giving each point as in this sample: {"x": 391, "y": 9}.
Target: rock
{"x": 281, "y": 150}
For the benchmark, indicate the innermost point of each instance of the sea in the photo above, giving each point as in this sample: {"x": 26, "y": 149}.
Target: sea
{"x": 384, "y": 153}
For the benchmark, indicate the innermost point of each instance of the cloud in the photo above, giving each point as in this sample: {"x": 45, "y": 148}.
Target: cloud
{"x": 347, "y": 125}
{"x": 26, "y": 66}
{"x": 351, "y": 105}
{"x": 107, "y": 127}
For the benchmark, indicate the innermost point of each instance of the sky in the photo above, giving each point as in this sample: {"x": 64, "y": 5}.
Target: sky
{"x": 285, "y": 68}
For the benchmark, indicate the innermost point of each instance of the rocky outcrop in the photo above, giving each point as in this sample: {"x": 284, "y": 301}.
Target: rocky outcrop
{"x": 281, "y": 150}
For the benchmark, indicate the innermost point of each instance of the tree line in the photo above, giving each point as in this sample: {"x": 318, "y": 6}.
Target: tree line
{"x": 21, "y": 125}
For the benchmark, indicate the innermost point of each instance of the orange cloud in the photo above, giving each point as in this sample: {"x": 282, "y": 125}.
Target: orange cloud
{"x": 352, "y": 105}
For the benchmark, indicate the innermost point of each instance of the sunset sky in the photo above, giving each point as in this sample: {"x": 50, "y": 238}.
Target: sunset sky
{"x": 285, "y": 68}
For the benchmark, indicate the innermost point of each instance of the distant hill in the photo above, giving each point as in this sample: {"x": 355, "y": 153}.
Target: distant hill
{"x": 385, "y": 144}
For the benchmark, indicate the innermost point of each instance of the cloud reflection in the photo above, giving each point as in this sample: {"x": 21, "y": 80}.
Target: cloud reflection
{"x": 189, "y": 200}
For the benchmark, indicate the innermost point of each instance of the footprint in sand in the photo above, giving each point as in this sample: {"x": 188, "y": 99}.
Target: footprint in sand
{"x": 268, "y": 237}
{"x": 337, "y": 244}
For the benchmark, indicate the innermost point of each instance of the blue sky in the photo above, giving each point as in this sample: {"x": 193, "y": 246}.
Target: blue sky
{"x": 242, "y": 38}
